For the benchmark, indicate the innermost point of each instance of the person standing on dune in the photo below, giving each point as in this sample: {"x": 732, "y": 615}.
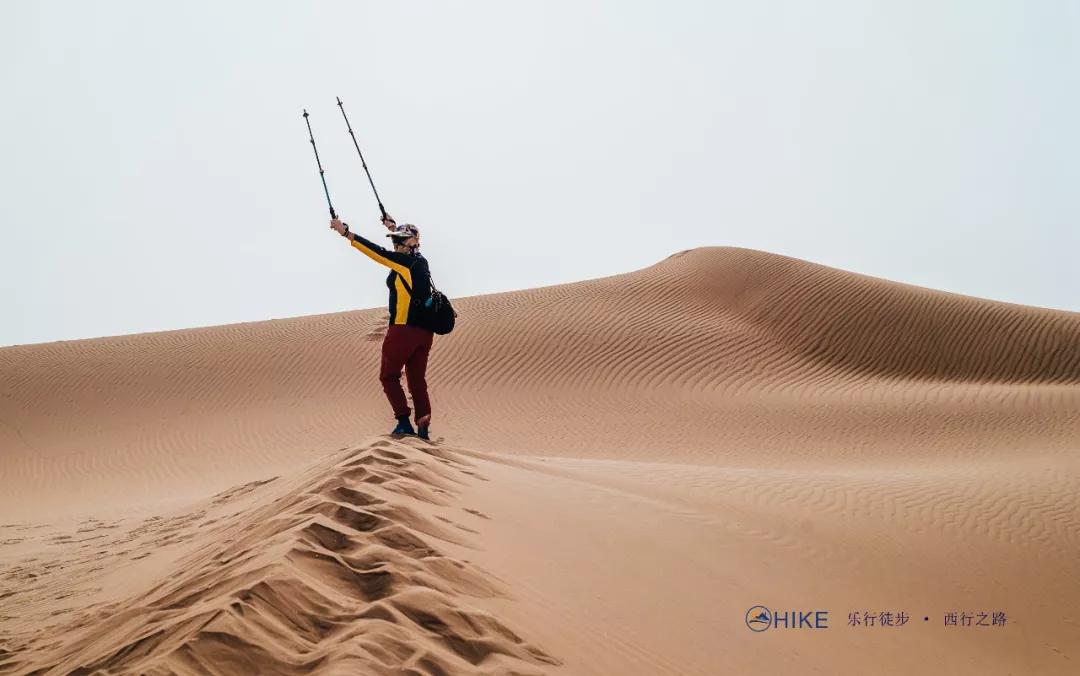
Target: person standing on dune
{"x": 408, "y": 340}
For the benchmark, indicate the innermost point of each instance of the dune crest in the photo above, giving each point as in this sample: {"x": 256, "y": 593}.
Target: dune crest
{"x": 339, "y": 571}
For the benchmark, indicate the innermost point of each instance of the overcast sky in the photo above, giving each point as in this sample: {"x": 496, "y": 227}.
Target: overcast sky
{"x": 156, "y": 171}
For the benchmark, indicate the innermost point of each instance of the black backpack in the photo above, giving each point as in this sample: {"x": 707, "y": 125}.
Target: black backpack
{"x": 440, "y": 315}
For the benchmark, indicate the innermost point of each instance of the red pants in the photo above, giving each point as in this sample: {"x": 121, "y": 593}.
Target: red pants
{"x": 408, "y": 346}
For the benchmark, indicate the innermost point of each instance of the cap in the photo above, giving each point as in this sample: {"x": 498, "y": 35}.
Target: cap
{"x": 405, "y": 231}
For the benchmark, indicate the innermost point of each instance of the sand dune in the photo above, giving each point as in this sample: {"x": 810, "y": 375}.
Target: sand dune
{"x": 663, "y": 449}
{"x": 335, "y": 571}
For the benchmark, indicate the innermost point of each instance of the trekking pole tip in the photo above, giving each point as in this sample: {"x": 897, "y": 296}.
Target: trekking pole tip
{"x": 338, "y": 100}
{"x": 305, "y": 112}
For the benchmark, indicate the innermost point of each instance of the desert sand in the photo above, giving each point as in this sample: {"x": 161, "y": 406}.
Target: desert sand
{"x": 621, "y": 469}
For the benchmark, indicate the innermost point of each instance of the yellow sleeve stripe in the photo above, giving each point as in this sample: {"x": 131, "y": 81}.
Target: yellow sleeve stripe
{"x": 401, "y": 312}
{"x": 383, "y": 260}
{"x": 404, "y": 299}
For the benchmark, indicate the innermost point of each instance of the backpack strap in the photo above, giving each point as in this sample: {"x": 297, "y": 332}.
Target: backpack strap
{"x": 408, "y": 287}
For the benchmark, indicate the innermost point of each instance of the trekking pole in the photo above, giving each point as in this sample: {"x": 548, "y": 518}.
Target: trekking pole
{"x": 342, "y": 106}
{"x": 333, "y": 214}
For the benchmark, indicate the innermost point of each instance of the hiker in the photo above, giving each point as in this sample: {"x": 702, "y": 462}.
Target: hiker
{"x": 407, "y": 342}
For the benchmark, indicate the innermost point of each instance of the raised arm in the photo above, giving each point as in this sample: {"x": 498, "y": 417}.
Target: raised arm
{"x": 391, "y": 259}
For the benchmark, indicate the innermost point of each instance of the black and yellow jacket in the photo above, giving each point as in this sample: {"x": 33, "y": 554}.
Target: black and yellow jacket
{"x": 409, "y": 281}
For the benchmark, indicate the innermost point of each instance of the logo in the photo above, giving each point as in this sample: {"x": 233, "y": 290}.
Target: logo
{"x": 760, "y": 618}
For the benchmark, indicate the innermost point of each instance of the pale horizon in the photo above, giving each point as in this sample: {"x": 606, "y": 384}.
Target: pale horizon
{"x": 498, "y": 291}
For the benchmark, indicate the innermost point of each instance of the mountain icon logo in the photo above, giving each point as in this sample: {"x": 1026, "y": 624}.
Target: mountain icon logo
{"x": 758, "y": 618}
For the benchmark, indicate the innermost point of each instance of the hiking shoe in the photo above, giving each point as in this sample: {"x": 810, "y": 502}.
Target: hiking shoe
{"x": 403, "y": 427}
{"x": 422, "y": 425}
